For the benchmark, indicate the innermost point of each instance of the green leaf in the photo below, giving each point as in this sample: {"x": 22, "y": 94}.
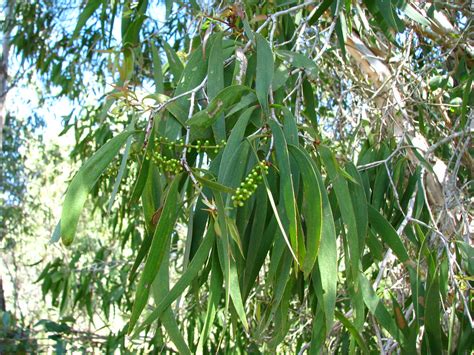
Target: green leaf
{"x": 235, "y": 138}
{"x": 123, "y": 166}
{"x": 173, "y": 107}
{"x": 286, "y": 187}
{"x": 312, "y": 207}
{"x": 317, "y": 12}
{"x": 248, "y": 30}
{"x": 228, "y": 264}
{"x": 215, "y": 81}
{"x": 310, "y": 103}
{"x": 354, "y": 332}
{"x": 84, "y": 181}
{"x": 388, "y": 233}
{"x": 159, "y": 289}
{"x": 185, "y": 280}
{"x": 341, "y": 31}
{"x": 163, "y": 231}
{"x": 265, "y": 68}
{"x": 377, "y": 308}
{"x": 175, "y": 65}
{"x": 143, "y": 171}
{"x": 215, "y": 291}
{"x": 213, "y": 185}
{"x": 193, "y": 75}
{"x": 91, "y": 7}
{"x": 278, "y": 219}
{"x": 298, "y": 60}
{"x": 261, "y": 236}
{"x": 414, "y": 14}
{"x": 245, "y": 101}
{"x": 432, "y": 308}
{"x": 157, "y": 70}
{"x": 327, "y": 258}
{"x": 385, "y": 8}
{"x": 345, "y": 206}
{"x": 224, "y": 100}
{"x": 359, "y": 201}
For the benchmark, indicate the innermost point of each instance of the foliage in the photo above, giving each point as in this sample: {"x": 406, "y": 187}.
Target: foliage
{"x": 317, "y": 155}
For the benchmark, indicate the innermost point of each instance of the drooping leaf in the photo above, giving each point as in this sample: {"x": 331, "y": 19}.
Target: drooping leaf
{"x": 91, "y": 7}
{"x": 377, "y": 308}
{"x": 354, "y": 332}
{"x": 312, "y": 207}
{"x": 162, "y": 233}
{"x": 286, "y": 187}
{"x": 388, "y": 234}
{"x": 215, "y": 81}
{"x": 345, "y": 206}
{"x": 185, "y": 280}
{"x": 84, "y": 181}
{"x": 175, "y": 65}
{"x": 317, "y": 12}
{"x": 157, "y": 70}
{"x": 265, "y": 68}
{"x": 159, "y": 288}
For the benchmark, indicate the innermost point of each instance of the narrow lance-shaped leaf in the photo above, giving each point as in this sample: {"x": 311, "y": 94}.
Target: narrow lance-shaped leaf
{"x": 265, "y": 68}
{"x": 317, "y": 12}
{"x": 123, "y": 166}
{"x": 185, "y": 280}
{"x": 215, "y": 82}
{"x": 286, "y": 186}
{"x": 215, "y": 291}
{"x": 163, "y": 231}
{"x": 354, "y": 332}
{"x": 157, "y": 70}
{"x": 83, "y": 182}
{"x": 175, "y": 65}
{"x": 345, "y": 206}
{"x": 327, "y": 257}
{"x": 312, "y": 208}
{"x": 88, "y": 11}
{"x": 377, "y": 308}
{"x": 388, "y": 234}
{"x": 359, "y": 199}
{"x": 228, "y": 264}
{"x": 233, "y": 142}
{"x": 160, "y": 287}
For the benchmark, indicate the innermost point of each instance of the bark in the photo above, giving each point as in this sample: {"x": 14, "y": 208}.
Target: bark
{"x": 8, "y": 10}
{"x": 2, "y": 296}
{"x": 380, "y": 74}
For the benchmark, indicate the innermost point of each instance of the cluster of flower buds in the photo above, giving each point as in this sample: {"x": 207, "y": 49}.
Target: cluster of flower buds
{"x": 199, "y": 145}
{"x": 250, "y": 184}
{"x": 169, "y": 165}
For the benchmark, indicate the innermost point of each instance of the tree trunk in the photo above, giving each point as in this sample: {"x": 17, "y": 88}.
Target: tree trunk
{"x": 8, "y": 10}
{"x": 2, "y": 296}
{"x": 380, "y": 74}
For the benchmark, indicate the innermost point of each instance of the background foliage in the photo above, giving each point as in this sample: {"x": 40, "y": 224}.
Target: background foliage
{"x": 252, "y": 176}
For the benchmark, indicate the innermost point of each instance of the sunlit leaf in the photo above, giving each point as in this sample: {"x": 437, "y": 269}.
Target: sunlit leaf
{"x": 84, "y": 181}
